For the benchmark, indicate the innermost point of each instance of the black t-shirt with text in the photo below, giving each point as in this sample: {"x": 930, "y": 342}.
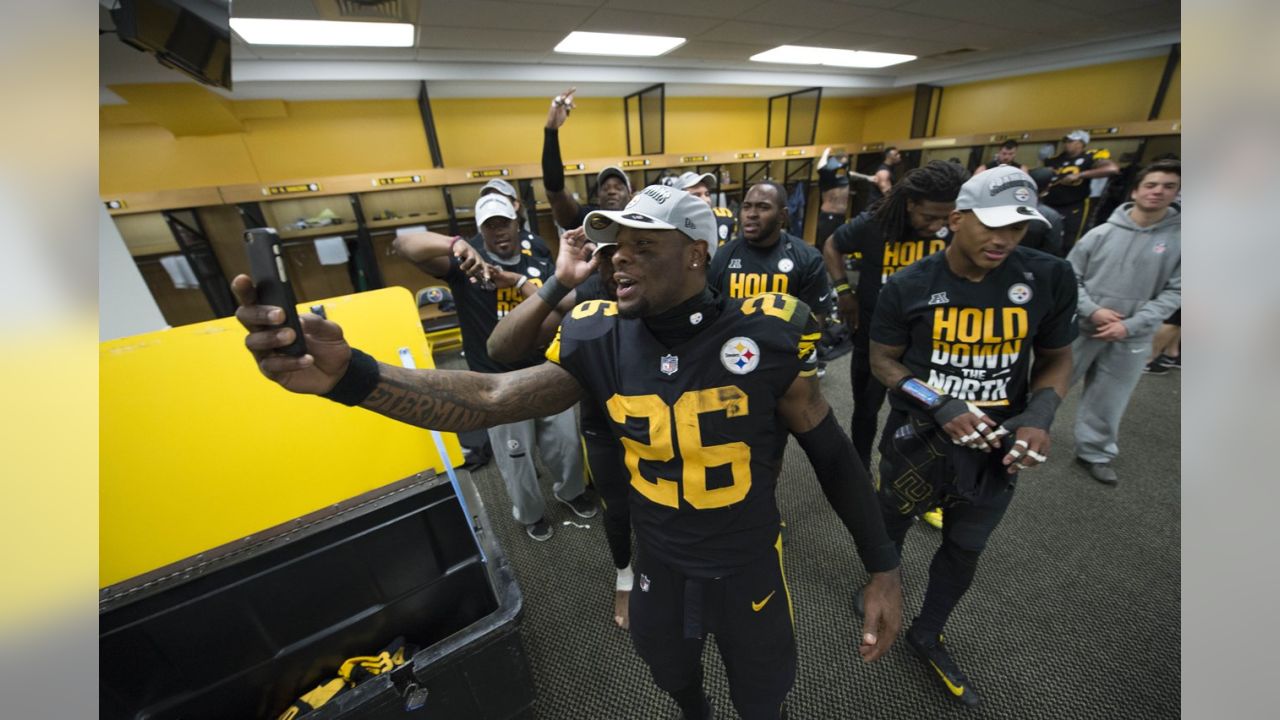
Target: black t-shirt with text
{"x": 479, "y": 310}
{"x": 974, "y": 340}
{"x": 880, "y": 259}
{"x": 697, "y": 421}
{"x": 1061, "y": 195}
{"x": 726, "y": 225}
{"x": 791, "y": 266}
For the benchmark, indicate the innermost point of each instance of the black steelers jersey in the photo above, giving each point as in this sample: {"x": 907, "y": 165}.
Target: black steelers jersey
{"x": 880, "y": 259}
{"x": 530, "y": 244}
{"x": 974, "y": 341}
{"x": 479, "y": 310}
{"x": 726, "y": 225}
{"x": 1060, "y": 195}
{"x": 791, "y": 266}
{"x": 698, "y": 422}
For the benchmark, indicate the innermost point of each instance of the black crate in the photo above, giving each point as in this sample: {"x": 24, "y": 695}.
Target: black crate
{"x": 244, "y": 632}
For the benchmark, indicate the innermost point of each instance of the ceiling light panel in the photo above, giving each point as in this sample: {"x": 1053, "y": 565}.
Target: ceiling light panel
{"x": 266, "y": 31}
{"x": 594, "y": 43}
{"x": 803, "y": 55}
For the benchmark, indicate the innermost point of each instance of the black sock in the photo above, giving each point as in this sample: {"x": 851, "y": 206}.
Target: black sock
{"x": 693, "y": 703}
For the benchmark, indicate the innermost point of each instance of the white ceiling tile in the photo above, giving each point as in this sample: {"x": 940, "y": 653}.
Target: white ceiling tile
{"x": 443, "y": 55}
{"x": 736, "y": 31}
{"x": 484, "y": 39}
{"x": 807, "y": 13}
{"x": 646, "y": 23}
{"x": 722, "y": 9}
{"x": 701, "y": 48}
{"x": 283, "y": 9}
{"x": 504, "y": 15}
{"x": 285, "y": 52}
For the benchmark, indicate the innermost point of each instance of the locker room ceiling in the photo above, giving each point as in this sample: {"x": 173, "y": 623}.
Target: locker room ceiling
{"x": 503, "y": 48}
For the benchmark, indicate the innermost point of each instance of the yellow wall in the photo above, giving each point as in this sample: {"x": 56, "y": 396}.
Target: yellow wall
{"x": 889, "y": 117}
{"x": 1094, "y": 95}
{"x": 840, "y": 120}
{"x": 695, "y": 125}
{"x": 497, "y": 131}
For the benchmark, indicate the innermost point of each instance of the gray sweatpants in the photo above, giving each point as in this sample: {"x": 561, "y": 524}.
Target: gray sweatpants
{"x": 1111, "y": 371}
{"x": 557, "y": 441}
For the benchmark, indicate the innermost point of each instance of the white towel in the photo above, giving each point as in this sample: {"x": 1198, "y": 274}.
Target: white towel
{"x": 180, "y": 272}
{"x": 332, "y": 250}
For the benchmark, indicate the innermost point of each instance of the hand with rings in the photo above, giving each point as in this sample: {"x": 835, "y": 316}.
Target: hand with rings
{"x": 975, "y": 430}
{"x": 1030, "y": 449}
{"x": 561, "y": 106}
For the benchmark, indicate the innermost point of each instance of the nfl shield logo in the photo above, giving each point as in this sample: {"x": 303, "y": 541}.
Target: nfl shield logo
{"x": 669, "y": 365}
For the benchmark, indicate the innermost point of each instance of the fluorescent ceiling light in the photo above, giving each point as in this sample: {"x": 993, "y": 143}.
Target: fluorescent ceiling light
{"x": 593, "y": 43}
{"x": 264, "y": 31}
{"x": 802, "y": 55}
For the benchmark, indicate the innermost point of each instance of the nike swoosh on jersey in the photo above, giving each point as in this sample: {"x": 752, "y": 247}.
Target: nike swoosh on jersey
{"x": 824, "y": 297}
{"x": 758, "y": 606}
{"x": 956, "y": 690}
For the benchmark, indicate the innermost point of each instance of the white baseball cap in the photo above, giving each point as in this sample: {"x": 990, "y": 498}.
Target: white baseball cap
{"x": 1001, "y": 196}
{"x": 499, "y": 185}
{"x": 657, "y": 207}
{"x": 1081, "y": 135}
{"x": 494, "y": 205}
{"x": 689, "y": 179}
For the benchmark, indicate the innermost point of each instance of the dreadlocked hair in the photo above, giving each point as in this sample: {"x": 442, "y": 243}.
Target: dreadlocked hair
{"x": 937, "y": 181}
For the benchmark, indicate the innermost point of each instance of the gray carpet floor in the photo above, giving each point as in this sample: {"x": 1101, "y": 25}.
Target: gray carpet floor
{"x": 1074, "y": 612}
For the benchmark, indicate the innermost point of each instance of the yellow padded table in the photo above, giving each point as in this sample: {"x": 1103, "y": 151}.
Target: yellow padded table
{"x": 198, "y": 450}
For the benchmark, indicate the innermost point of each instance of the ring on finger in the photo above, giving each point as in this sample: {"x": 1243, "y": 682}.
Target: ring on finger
{"x": 966, "y": 439}
{"x": 1015, "y": 453}
{"x": 1023, "y": 443}
{"x": 1037, "y": 456}
{"x": 982, "y": 427}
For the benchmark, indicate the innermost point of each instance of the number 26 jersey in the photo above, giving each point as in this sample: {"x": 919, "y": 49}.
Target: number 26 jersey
{"x": 697, "y": 422}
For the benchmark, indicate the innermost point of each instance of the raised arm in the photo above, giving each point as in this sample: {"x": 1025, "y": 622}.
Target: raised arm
{"x": 850, "y": 493}
{"x": 430, "y": 252}
{"x": 563, "y": 207}
{"x": 436, "y": 399}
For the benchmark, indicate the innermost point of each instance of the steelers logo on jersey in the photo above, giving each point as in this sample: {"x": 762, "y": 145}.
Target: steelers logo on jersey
{"x": 1020, "y": 293}
{"x": 785, "y": 265}
{"x": 526, "y": 244}
{"x": 724, "y": 231}
{"x": 740, "y": 355}
{"x": 533, "y": 272}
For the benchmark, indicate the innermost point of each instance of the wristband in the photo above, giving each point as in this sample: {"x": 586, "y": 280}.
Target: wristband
{"x": 456, "y": 238}
{"x": 357, "y": 382}
{"x": 625, "y": 580}
{"x": 520, "y": 281}
{"x": 843, "y": 288}
{"x": 942, "y": 408}
{"x": 552, "y": 292}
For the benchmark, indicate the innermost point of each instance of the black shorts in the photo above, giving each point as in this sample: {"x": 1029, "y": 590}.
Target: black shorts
{"x": 1175, "y": 318}
{"x": 749, "y": 612}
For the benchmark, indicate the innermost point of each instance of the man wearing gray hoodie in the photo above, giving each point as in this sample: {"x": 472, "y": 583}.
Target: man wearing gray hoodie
{"x": 1129, "y": 272}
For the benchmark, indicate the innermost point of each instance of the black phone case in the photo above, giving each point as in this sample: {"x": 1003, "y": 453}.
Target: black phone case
{"x": 267, "y": 264}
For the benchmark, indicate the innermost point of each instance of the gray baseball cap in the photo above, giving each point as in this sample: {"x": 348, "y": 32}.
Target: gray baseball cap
{"x": 1080, "y": 135}
{"x": 495, "y": 205}
{"x": 691, "y": 178}
{"x": 657, "y": 207}
{"x": 1001, "y": 196}
{"x": 501, "y": 186}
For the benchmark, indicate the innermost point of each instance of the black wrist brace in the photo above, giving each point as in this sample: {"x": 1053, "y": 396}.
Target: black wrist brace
{"x": 552, "y": 292}
{"x": 357, "y": 382}
{"x": 552, "y": 165}
{"x": 942, "y": 408}
{"x": 1039, "y": 411}
{"x": 849, "y": 492}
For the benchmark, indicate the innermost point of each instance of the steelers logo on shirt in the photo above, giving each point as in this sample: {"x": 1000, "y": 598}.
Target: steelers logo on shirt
{"x": 740, "y": 355}
{"x": 785, "y": 265}
{"x": 533, "y": 272}
{"x": 1020, "y": 293}
{"x": 724, "y": 231}
{"x": 526, "y": 244}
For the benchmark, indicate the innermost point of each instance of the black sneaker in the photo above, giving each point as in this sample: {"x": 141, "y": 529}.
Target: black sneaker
{"x": 932, "y": 651}
{"x": 581, "y": 506}
{"x": 1173, "y": 363}
{"x": 540, "y": 531}
{"x": 1156, "y": 367}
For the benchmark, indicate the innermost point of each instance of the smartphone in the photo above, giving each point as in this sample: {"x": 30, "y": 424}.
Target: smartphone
{"x": 267, "y": 265}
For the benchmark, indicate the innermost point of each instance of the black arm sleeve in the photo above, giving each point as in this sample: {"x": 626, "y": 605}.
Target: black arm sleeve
{"x": 848, "y": 490}
{"x": 552, "y": 165}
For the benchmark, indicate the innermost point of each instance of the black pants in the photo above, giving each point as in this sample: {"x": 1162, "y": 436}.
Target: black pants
{"x": 1075, "y": 221}
{"x": 966, "y": 527}
{"x": 828, "y": 223}
{"x": 868, "y": 393}
{"x": 749, "y": 613}
{"x": 606, "y": 471}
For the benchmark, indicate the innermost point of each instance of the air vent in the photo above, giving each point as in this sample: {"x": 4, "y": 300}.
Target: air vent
{"x": 392, "y": 10}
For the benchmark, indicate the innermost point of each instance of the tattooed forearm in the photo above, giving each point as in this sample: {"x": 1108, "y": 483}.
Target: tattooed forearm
{"x": 459, "y": 401}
